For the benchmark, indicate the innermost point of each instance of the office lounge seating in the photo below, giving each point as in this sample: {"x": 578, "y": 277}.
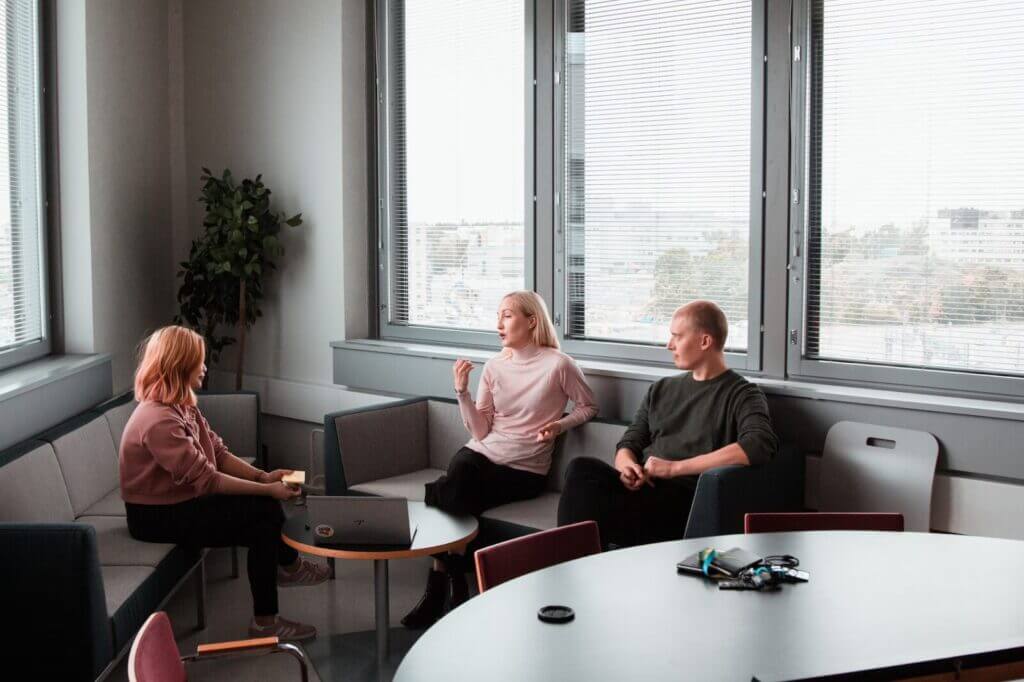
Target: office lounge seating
{"x": 779, "y": 523}
{"x": 510, "y": 559}
{"x": 155, "y": 656}
{"x": 72, "y": 575}
{"x": 393, "y": 449}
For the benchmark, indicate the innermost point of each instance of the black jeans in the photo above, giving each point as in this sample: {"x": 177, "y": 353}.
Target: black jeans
{"x": 474, "y": 484}
{"x": 223, "y": 521}
{"x": 624, "y": 517}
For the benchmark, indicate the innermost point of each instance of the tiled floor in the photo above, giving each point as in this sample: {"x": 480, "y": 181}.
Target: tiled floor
{"x": 339, "y": 606}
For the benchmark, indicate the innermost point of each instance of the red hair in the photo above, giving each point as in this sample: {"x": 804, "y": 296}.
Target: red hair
{"x": 170, "y": 358}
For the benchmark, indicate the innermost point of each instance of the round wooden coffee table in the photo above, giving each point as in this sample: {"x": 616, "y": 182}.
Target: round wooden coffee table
{"x": 435, "y": 532}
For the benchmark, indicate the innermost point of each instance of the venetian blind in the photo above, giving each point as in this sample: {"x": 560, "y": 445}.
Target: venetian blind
{"x": 915, "y": 184}
{"x": 657, "y": 153}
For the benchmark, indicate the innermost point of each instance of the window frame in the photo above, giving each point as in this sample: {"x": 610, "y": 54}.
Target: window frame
{"x": 751, "y": 359}
{"x": 32, "y": 350}
{"x": 799, "y": 366}
{"x": 385, "y": 63}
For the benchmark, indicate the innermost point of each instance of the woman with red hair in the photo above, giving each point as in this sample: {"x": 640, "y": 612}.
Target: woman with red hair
{"x": 182, "y": 485}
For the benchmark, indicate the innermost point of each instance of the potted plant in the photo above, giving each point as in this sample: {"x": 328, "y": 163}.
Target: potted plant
{"x": 222, "y": 280}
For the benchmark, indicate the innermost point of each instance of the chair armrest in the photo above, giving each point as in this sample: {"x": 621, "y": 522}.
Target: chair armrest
{"x": 370, "y": 443}
{"x": 53, "y": 589}
{"x": 215, "y": 648}
{"x": 257, "y": 647}
{"x": 725, "y": 494}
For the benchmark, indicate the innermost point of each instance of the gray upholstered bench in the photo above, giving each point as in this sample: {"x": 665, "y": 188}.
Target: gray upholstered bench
{"x": 393, "y": 449}
{"x": 76, "y": 584}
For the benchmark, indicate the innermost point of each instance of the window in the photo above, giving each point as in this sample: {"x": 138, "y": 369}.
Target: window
{"x": 662, "y": 168}
{"x": 23, "y": 328}
{"x": 454, "y": 224}
{"x": 914, "y": 179}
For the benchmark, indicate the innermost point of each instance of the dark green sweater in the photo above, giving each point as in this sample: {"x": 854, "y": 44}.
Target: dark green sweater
{"x": 681, "y": 418}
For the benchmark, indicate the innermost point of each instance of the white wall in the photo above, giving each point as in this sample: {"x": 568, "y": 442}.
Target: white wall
{"x": 278, "y": 88}
{"x": 115, "y": 175}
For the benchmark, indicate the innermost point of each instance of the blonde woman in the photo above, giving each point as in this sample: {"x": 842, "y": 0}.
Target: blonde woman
{"x": 182, "y": 485}
{"x": 513, "y": 425}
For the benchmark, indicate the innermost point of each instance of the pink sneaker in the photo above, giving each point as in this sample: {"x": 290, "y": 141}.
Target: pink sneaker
{"x": 308, "y": 573}
{"x": 283, "y": 629}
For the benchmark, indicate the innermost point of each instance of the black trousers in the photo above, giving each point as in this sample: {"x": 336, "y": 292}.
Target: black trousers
{"x": 223, "y": 521}
{"x": 624, "y": 517}
{"x": 474, "y": 484}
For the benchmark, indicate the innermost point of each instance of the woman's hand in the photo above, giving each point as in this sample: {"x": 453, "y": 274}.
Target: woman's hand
{"x": 461, "y": 371}
{"x": 549, "y": 432}
{"x": 273, "y": 476}
{"x": 282, "y": 491}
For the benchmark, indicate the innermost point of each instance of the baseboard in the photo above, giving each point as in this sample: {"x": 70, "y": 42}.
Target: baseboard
{"x": 960, "y": 504}
{"x": 298, "y": 399}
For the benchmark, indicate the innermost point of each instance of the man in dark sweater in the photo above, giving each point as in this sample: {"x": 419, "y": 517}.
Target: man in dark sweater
{"x": 708, "y": 417}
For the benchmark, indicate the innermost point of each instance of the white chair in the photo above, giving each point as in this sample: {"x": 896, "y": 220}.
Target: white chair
{"x": 871, "y": 468}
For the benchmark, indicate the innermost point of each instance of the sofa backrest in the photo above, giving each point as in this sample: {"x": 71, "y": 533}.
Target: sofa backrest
{"x": 376, "y": 444}
{"x": 32, "y": 488}
{"x": 596, "y": 438}
{"x": 235, "y": 418}
{"x": 446, "y": 435}
{"x": 87, "y": 457}
{"x": 445, "y": 431}
{"x": 117, "y": 419}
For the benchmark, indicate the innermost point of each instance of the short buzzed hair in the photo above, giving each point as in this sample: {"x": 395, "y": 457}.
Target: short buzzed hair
{"x": 707, "y": 317}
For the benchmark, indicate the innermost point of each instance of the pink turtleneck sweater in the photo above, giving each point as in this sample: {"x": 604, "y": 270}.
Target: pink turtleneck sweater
{"x": 518, "y": 394}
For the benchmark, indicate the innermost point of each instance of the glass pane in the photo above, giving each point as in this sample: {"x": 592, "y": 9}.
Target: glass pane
{"x": 916, "y": 184}
{"x": 458, "y": 212}
{"x": 657, "y": 161}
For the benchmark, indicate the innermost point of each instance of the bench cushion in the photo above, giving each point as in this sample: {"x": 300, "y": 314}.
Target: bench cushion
{"x": 409, "y": 486}
{"x": 540, "y": 513}
{"x": 110, "y": 504}
{"x": 88, "y": 461}
{"x": 379, "y": 444}
{"x": 445, "y": 431}
{"x": 32, "y": 488}
{"x": 118, "y": 548}
{"x": 138, "y": 590}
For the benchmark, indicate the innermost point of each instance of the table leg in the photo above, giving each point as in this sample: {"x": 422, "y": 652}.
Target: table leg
{"x": 380, "y": 599}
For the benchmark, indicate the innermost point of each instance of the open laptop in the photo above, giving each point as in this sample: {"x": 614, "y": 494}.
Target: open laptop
{"x": 359, "y": 520}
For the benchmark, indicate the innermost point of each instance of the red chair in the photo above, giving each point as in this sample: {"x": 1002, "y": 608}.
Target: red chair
{"x": 774, "y": 523}
{"x": 155, "y": 657}
{"x": 510, "y": 559}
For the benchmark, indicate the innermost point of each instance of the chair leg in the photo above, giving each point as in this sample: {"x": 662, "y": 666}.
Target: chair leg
{"x": 200, "y": 577}
{"x": 234, "y": 562}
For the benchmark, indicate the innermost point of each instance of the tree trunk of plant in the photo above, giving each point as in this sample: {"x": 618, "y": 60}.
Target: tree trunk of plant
{"x": 241, "y": 334}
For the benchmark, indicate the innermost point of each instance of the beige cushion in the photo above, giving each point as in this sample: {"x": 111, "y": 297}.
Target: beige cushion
{"x": 383, "y": 443}
{"x": 409, "y": 486}
{"x": 593, "y": 439}
{"x": 89, "y": 463}
{"x": 110, "y": 504}
{"x": 540, "y": 512}
{"x": 118, "y": 548}
{"x": 120, "y": 582}
{"x": 32, "y": 489}
{"x": 117, "y": 419}
{"x": 446, "y": 432}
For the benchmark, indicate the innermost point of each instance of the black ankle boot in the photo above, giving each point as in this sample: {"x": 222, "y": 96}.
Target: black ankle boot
{"x": 432, "y": 603}
{"x": 456, "y": 566}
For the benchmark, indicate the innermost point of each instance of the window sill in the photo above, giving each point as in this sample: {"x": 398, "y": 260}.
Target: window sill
{"x": 21, "y": 379}
{"x": 781, "y": 387}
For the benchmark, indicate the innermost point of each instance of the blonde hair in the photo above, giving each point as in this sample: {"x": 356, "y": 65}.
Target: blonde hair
{"x": 169, "y": 358}
{"x": 530, "y": 304}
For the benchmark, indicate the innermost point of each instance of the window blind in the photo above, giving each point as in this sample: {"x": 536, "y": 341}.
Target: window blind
{"x": 21, "y": 220}
{"x": 657, "y": 158}
{"x": 915, "y": 184}
{"x": 457, "y": 160}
